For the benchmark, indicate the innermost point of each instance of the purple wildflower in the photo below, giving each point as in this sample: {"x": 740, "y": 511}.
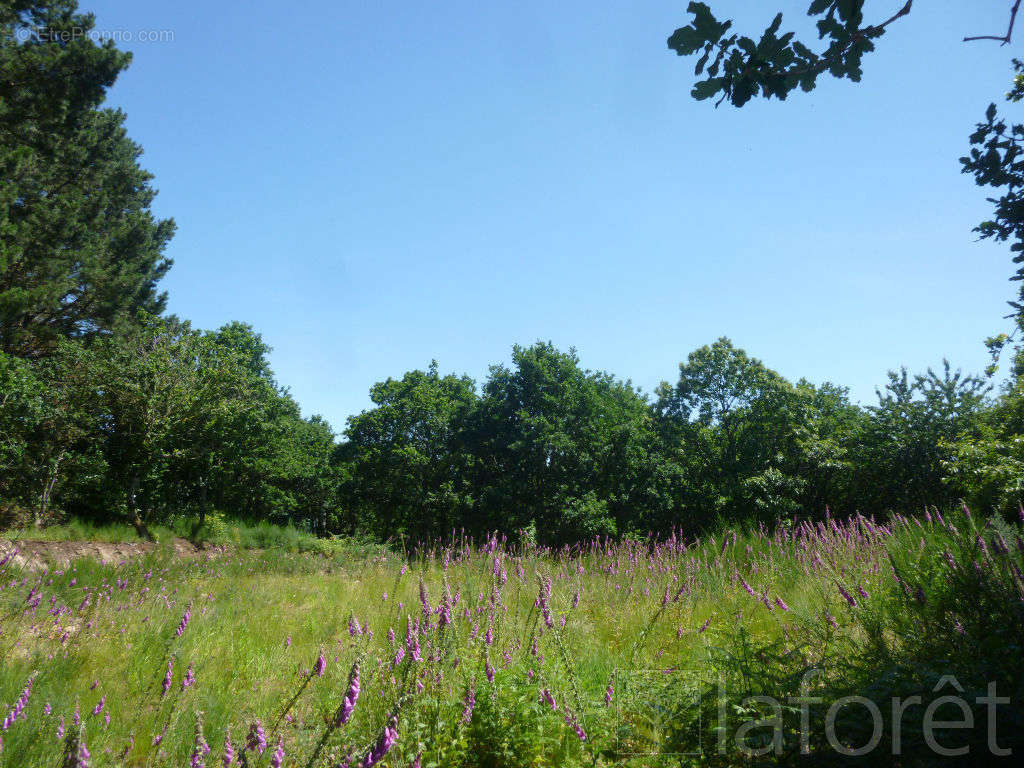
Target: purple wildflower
{"x": 19, "y": 706}
{"x": 747, "y": 587}
{"x": 76, "y": 754}
{"x": 189, "y": 679}
{"x": 847, "y": 596}
{"x": 168, "y": 677}
{"x": 200, "y": 749}
{"x": 257, "y": 738}
{"x": 229, "y": 750}
{"x": 546, "y": 695}
{"x": 468, "y": 703}
{"x": 129, "y": 746}
{"x": 184, "y": 621}
{"x": 351, "y": 696}
{"x": 384, "y": 743}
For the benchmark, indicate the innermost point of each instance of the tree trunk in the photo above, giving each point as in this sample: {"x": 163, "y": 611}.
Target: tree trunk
{"x": 137, "y": 521}
{"x": 51, "y": 482}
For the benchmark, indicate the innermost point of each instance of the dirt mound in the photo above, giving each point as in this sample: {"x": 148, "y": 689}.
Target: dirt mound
{"x": 36, "y": 555}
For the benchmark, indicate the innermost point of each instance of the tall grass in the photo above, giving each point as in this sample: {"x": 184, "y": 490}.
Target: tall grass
{"x": 494, "y": 654}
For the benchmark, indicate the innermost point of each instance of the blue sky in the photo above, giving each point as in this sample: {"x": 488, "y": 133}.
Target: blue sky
{"x": 373, "y": 185}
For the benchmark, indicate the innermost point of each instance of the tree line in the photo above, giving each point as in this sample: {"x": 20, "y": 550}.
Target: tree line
{"x": 161, "y": 419}
{"x": 112, "y": 410}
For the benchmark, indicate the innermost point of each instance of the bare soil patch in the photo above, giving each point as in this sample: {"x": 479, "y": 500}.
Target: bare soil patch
{"x": 37, "y": 555}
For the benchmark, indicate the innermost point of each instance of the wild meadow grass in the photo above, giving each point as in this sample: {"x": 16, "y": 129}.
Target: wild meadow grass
{"x": 500, "y": 653}
{"x": 216, "y": 530}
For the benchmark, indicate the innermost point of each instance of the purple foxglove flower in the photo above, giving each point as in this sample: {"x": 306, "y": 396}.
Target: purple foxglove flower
{"x": 546, "y": 694}
{"x": 746, "y": 586}
{"x": 200, "y": 749}
{"x": 348, "y": 705}
{"x": 321, "y": 665}
{"x": 384, "y": 743}
{"x": 160, "y": 736}
{"x": 257, "y": 738}
{"x": 76, "y": 754}
{"x": 168, "y": 677}
{"x": 229, "y": 750}
{"x": 847, "y": 596}
{"x": 424, "y": 599}
{"x": 468, "y": 703}
{"x": 129, "y": 746}
{"x": 278, "y": 757}
{"x": 184, "y": 621}
{"x": 19, "y": 705}
{"x": 189, "y": 679}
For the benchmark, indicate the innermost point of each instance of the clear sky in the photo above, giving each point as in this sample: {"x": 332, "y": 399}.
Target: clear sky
{"x": 373, "y": 185}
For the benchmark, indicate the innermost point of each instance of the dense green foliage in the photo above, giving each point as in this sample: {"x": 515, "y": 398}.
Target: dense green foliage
{"x": 569, "y": 453}
{"x": 158, "y": 420}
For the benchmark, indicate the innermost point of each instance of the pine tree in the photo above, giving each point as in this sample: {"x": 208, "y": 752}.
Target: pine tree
{"x": 80, "y": 251}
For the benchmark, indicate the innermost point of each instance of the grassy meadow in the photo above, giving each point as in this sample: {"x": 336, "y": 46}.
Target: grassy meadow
{"x": 500, "y": 653}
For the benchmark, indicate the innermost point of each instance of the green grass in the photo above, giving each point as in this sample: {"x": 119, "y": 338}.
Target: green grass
{"x": 80, "y": 530}
{"x": 260, "y": 618}
{"x": 217, "y": 530}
